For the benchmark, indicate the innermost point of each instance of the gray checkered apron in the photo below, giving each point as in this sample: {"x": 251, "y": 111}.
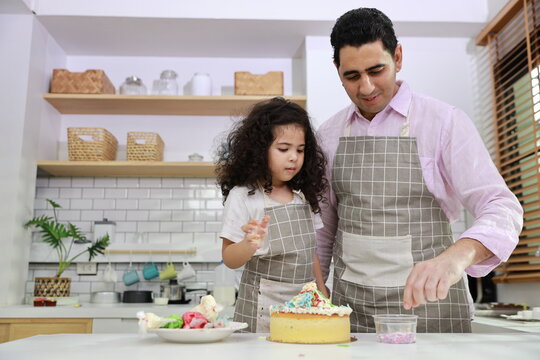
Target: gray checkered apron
{"x": 388, "y": 221}
{"x": 280, "y": 274}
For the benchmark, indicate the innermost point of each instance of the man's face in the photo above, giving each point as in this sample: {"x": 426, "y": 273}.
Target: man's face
{"x": 368, "y": 74}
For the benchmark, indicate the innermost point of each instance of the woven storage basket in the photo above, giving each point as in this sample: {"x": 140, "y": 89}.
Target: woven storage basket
{"x": 144, "y": 146}
{"x": 246, "y": 83}
{"x": 88, "y": 82}
{"x": 52, "y": 286}
{"x": 91, "y": 144}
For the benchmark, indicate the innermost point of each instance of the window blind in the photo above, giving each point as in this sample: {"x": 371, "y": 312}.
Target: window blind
{"x": 509, "y": 116}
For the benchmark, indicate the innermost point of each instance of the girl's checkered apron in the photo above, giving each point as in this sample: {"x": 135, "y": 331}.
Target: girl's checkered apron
{"x": 388, "y": 221}
{"x": 276, "y": 277}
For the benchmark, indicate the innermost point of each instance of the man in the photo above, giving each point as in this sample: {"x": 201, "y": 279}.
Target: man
{"x": 401, "y": 165}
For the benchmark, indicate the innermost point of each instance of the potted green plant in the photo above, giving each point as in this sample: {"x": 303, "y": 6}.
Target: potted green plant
{"x": 61, "y": 238}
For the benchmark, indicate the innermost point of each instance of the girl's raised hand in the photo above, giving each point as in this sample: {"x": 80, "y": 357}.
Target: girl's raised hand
{"x": 255, "y": 231}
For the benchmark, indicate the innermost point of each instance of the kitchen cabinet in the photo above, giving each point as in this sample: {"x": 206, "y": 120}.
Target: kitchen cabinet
{"x": 19, "y": 328}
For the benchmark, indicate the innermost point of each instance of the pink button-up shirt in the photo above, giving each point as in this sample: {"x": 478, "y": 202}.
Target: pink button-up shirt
{"x": 457, "y": 170}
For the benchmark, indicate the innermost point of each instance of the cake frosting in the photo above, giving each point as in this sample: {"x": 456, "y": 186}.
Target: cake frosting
{"x": 311, "y": 301}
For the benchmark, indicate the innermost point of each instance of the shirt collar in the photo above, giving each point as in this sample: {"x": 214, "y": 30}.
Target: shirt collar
{"x": 399, "y": 103}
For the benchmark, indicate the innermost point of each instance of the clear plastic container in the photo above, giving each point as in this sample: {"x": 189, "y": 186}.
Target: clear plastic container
{"x": 396, "y": 328}
{"x": 166, "y": 85}
{"x": 224, "y": 285}
{"x": 133, "y": 86}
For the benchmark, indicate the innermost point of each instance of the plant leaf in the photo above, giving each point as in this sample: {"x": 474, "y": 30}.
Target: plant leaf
{"x": 54, "y": 204}
{"x": 75, "y": 233}
{"x": 98, "y": 247}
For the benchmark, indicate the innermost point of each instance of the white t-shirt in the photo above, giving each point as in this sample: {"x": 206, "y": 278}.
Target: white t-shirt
{"x": 241, "y": 207}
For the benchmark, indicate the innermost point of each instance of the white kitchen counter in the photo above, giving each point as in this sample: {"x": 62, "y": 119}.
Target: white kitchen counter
{"x": 497, "y": 324}
{"x": 255, "y": 346}
{"x": 96, "y": 311}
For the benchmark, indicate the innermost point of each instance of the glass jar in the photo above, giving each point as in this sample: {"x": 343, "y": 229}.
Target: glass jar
{"x": 166, "y": 85}
{"x": 133, "y": 86}
{"x": 201, "y": 84}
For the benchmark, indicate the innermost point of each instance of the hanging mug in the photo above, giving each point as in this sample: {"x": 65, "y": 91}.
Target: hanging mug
{"x": 130, "y": 277}
{"x": 186, "y": 272}
{"x": 168, "y": 273}
{"x": 150, "y": 271}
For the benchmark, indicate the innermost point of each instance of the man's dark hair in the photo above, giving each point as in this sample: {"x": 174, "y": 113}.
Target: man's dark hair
{"x": 362, "y": 26}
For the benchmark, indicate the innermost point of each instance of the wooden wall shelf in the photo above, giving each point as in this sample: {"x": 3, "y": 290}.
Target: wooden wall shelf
{"x": 126, "y": 168}
{"x": 158, "y": 105}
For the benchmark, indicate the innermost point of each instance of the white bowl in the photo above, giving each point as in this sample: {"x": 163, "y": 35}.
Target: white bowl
{"x": 161, "y": 301}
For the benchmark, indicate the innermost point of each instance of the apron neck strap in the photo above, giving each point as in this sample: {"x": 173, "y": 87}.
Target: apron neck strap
{"x": 404, "y": 132}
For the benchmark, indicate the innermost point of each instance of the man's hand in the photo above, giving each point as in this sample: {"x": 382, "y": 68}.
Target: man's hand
{"x": 430, "y": 280}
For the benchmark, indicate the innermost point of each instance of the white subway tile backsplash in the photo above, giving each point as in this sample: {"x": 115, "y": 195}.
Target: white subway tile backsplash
{"x": 183, "y": 215}
{"x": 214, "y": 204}
{"x": 115, "y": 215}
{"x": 60, "y": 182}
{"x": 91, "y": 215}
{"x": 105, "y": 204}
{"x": 82, "y": 182}
{"x": 185, "y": 238}
{"x": 171, "y": 227}
{"x": 138, "y": 193}
{"x": 81, "y": 204}
{"x": 194, "y": 182}
{"x": 69, "y": 215}
{"x": 150, "y": 182}
{"x": 203, "y": 215}
{"x": 70, "y": 193}
{"x": 183, "y": 194}
{"x": 41, "y": 204}
{"x": 160, "y": 215}
{"x": 84, "y": 226}
{"x": 161, "y": 193}
{"x": 150, "y": 204}
{"x": 105, "y": 182}
{"x": 128, "y": 204}
{"x": 116, "y": 193}
{"x": 159, "y": 238}
{"x": 193, "y": 204}
{"x": 128, "y": 182}
{"x": 126, "y": 226}
{"x": 80, "y": 287}
{"x": 93, "y": 193}
{"x": 171, "y": 204}
{"x": 42, "y": 182}
{"x": 205, "y": 194}
{"x": 193, "y": 226}
{"x": 47, "y": 193}
{"x": 148, "y": 226}
{"x": 172, "y": 182}
{"x": 137, "y": 215}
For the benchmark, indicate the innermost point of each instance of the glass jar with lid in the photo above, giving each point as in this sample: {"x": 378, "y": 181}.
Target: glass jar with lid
{"x": 133, "y": 86}
{"x": 166, "y": 85}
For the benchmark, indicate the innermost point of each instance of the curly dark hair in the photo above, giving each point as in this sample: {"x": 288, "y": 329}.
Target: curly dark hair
{"x": 362, "y": 26}
{"x": 243, "y": 157}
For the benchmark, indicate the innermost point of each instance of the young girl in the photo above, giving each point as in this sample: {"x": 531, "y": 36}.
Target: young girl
{"x": 271, "y": 173}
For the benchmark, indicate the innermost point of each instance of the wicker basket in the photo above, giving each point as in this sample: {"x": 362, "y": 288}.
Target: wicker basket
{"x": 88, "y": 82}
{"x": 91, "y": 144}
{"x": 52, "y": 286}
{"x": 246, "y": 83}
{"x": 144, "y": 146}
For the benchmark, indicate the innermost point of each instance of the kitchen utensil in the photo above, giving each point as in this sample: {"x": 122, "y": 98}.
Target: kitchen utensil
{"x": 130, "y": 277}
{"x": 173, "y": 291}
{"x": 150, "y": 271}
{"x": 105, "y": 297}
{"x": 104, "y": 227}
{"x": 395, "y": 328}
{"x": 137, "y": 296}
{"x": 201, "y": 84}
{"x": 186, "y": 272}
{"x": 133, "y": 86}
{"x": 169, "y": 272}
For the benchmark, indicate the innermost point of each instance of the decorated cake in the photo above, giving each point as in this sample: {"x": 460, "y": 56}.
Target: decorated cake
{"x": 310, "y": 318}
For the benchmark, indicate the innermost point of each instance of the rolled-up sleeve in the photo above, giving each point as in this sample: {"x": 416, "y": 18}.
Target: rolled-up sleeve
{"x": 469, "y": 171}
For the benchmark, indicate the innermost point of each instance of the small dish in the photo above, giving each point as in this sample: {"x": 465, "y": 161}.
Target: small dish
{"x": 198, "y": 335}
{"x": 161, "y": 301}
{"x": 396, "y": 328}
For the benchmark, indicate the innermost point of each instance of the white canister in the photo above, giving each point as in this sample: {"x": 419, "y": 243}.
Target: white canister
{"x": 104, "y": 227}
{"x": 201, "y": 84}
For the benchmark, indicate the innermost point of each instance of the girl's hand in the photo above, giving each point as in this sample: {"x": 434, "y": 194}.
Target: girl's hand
{"x": 256, "y": 231}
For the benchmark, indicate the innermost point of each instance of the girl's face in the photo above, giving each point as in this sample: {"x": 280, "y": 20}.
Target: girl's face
{"x": 286, "y": 153}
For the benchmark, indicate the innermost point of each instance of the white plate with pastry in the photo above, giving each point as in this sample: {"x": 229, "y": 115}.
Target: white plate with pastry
{"x": 198, "y": 335}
